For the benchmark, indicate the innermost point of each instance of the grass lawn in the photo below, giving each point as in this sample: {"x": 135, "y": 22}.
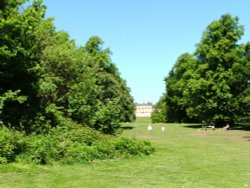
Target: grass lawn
{"x": 185, "y": 157}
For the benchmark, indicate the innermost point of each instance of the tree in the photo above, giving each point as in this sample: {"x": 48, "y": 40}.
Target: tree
{"x": 19, "y": 61}
{"x": 212, "y": 93}
{"x": 241, "y": 81}
{"x": 112, "y": 90}
{"x": 159, "y": 114}
{"x": 83, "y": 84}
{"x": 45, "y": 77}
{"x": 212, "y": 84}
{"x": 8, "y": 7}
{"x": 176, "y": 84}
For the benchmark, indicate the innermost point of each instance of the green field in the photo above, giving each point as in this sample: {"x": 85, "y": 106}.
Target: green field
{"x": 184, "y": 157}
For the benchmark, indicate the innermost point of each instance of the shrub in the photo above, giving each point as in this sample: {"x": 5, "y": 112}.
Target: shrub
{"x": 68, "y": 143}
{"x": 12, "y": 143}
{"x": 76, "y": 133}
{"x": 129, "y": 147}
{"x": 40, "y": 149}
{"x": 105, "y": 149}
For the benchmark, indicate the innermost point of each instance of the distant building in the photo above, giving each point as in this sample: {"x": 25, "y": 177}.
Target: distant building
{"x": 143, "y": 110}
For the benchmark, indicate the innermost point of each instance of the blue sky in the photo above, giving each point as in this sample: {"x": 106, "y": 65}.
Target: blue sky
{"x": 145, "y": 36}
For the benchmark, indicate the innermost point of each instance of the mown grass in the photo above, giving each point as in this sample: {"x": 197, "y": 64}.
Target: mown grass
{"x": 184, "y": 157}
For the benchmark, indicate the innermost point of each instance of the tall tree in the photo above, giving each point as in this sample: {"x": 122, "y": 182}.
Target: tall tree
{"x": 213, "y": 84}
{"x": 212, "y": 94}
{"x": 241, "y": 81}
{"x": 19, "y": 62}
{"x": 45, "y": 77}
{"x": 113, "y": 91}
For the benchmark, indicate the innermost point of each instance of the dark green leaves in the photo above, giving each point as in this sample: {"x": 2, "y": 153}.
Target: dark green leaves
{"x": 56, "y": 78}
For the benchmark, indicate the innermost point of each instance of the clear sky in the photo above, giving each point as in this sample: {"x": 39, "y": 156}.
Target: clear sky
{"x": 145, "y": 36}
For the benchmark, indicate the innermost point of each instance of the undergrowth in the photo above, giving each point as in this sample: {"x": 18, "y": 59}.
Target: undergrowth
{"x": 68, "y": 143}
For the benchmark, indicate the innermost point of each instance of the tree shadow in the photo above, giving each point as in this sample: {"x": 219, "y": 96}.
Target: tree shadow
{"x": 127, "y": 127}
{"x": 194, "y": 126}
{"x": 240, "y": 127}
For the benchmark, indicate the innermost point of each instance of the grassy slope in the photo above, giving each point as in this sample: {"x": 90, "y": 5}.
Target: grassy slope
{"x": 185, "y": 157}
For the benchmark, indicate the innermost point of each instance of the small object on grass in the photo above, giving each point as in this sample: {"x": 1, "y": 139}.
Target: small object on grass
{"x": 226, "y": 127}
{"x": 212, "y": 127}
{"x": 150, "y": 128}
{"x": 163, "y": 129}
{"x": 205, "y": 126}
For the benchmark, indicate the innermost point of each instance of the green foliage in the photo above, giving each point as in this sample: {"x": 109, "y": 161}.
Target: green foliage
{"x": 45, "y": 77}
{"x": 108, "y": 80}
{"x": 8, "y": 7}
{"x": 11, "y": 96}
{"x": 69, "y": 143}
{"x": 159, "y": 113}
{"x": 212, "y": 84}
{"x": 20, "y": 63}
{"x": 107, "y": 117}
{"x": 216, "y": 95}
{"x": 11, "y": 144}
{"x": 176, "y": 83}
{"x": 40, "y": 149}
{"x": 58, "y": 93}
{"x": 129, "y": 147}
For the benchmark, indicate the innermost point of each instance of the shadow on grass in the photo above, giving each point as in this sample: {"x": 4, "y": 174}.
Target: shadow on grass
{"x": 127, "y": 127}
{"x": 241, "y": 127}
{"x": 194, "y": 126}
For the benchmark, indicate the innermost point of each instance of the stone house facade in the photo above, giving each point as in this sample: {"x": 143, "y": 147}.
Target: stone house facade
{"x": 143, "y": 110}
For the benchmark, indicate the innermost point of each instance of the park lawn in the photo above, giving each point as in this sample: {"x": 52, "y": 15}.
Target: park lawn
{"x": 184, "y": 157}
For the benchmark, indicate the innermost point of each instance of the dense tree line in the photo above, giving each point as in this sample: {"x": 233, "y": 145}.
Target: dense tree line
{"x": 213, "y": 83}
{"x": 45, "y": 77}
{"x": 58, "y": 101}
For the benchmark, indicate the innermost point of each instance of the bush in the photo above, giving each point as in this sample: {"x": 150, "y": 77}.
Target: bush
{"x": 68, "y": 143}
{"x": 76, "y": 133}
{"x": 12, "y": 143}
{"x": 129, "y": 147}
{"x": 40, "y": 149}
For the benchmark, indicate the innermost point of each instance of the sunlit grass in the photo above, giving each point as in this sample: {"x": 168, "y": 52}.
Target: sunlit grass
{"x": 143, "y": 120}
{"x": 184, "y": 157}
